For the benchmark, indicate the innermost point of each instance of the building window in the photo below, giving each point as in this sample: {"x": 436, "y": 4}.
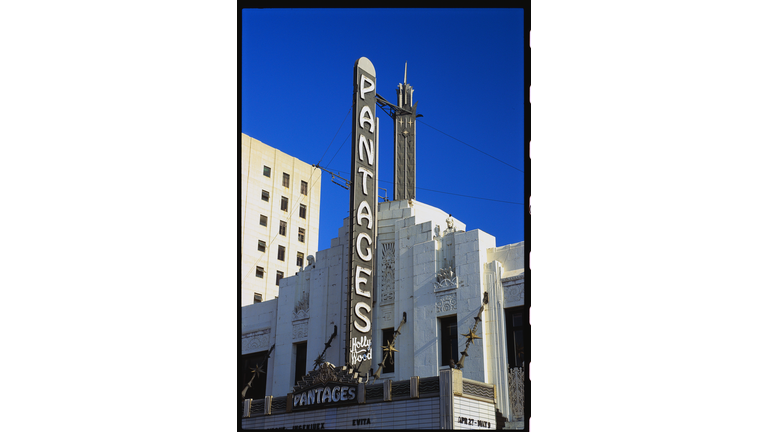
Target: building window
{"x": 260, "y": 272}
{"x": 301, "y": 235}
{"x": 262, "y": 245}
{"x": 263, "y": 220}
{"x": 516, "y": 323}
{"x": 300, "y": 359}
{"x": 265, "y": 196}
{"x": 284, "y": 204}
{"x": 303, "y": 211}
{"x": 279, "y": 276}
{"x": 304, "y": 187}
{"x": 300, "y": 259}
{"x": 283, "y": 227}
{"x": 267, "y": 171}
{"x": 258, "y": 384}
{"x": 386, "y": 337}
{"x": 256, "y": 298}
{"x": 449, "y": 341}
{"x": 281, "y": 253}
{"x": 286, "y": 180}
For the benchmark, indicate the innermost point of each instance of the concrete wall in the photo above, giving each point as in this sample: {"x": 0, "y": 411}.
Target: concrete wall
{"x": 411, "y": 251}
{"x": 511, "y": 257}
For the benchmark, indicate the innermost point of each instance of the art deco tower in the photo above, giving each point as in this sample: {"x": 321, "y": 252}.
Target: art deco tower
{"x": 405, "y": 142}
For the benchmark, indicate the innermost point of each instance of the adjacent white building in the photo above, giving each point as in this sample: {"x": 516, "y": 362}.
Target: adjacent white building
{"x": 429, "y": 271}
{"x": 280, "y": 214}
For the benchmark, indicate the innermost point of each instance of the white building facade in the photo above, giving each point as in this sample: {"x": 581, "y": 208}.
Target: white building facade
{"x": 280, "y": 214}
{"x": 456, "y": 297}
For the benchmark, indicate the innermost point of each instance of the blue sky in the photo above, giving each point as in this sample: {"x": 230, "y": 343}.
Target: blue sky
{"x": 466, "y": 68}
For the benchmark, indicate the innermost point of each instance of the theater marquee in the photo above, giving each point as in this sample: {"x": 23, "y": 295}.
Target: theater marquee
{"x": 362, "y": 211}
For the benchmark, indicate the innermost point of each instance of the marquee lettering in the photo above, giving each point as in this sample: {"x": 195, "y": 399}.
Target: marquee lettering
{"x": 366, "y": 117}
{"x": 363, "y": 317}
{"x": 361, "y": 280}
{"x": 324, "y": 395}
{"x": 364, "y": 212}
{"x": 473, "y": 422}
{"x": 363, "y": 89}
{"x": 307, "y": 426}
{"x": 365, "y": 172}
{"x": 366, "y": 145}
{"x": 360, "y": 349}
{"x": 367, "y": 255}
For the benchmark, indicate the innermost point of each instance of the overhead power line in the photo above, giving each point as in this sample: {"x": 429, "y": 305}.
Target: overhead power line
{"x": 337, "y": 151}
{"x": 421, "y": 188}
{"x": 334, "y": 137}
{"x": 494, "y": 157}
{"x": 466, "y": 196}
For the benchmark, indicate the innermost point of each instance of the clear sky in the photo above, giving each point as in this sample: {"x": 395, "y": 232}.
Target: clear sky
{"x": 466, "y": 68}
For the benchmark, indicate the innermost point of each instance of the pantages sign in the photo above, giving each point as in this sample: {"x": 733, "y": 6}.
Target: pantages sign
{"x": 362, "y": 212}
{"x": 324, "y": 386}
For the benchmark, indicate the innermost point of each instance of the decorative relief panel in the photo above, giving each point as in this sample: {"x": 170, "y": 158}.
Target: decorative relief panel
{"x": 255, "y": 341}
{"x": 387, "y": 313}
{"x": 301, "y": 309}
{"x": 445, "y": 283}
{"x": 514, "y": 291}
{"x": 446, "y": 277}
{"x": 446, "y": 303}
{"x": 300, "y": 329}
{"x": 516, "y": 378}
{"x": 387, "y": 273}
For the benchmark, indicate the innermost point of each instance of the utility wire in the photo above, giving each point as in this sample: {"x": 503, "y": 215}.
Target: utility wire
{"x": 466, "y": 196}
{"x": 432, "y": 190}
{"x": 334, "y": 136}
{"x": 470, "y": 146}
{"x": 337, "y": 151}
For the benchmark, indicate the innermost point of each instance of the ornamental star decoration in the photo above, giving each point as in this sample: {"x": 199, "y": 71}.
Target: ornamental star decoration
{"x": 319, "y": 360}
{"x": 389, "y": 349}
{"x": 471, "y": 336}
{"x": 258, "y": 370}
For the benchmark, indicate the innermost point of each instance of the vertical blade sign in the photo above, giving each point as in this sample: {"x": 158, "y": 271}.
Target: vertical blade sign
{"x": 362, "y": 221}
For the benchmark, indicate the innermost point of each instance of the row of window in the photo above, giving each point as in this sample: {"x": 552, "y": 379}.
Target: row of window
{"x": 284, "y": 204}
{"x": 283, "y": 229}
{"x": 264, "y": 220}
{"x": 260, "y": 274}
{"x": 287, "y": 180}
{"x": 449, "y": 348}
{"x": 515, "y": 323}
{"x": 281, "y": 257}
